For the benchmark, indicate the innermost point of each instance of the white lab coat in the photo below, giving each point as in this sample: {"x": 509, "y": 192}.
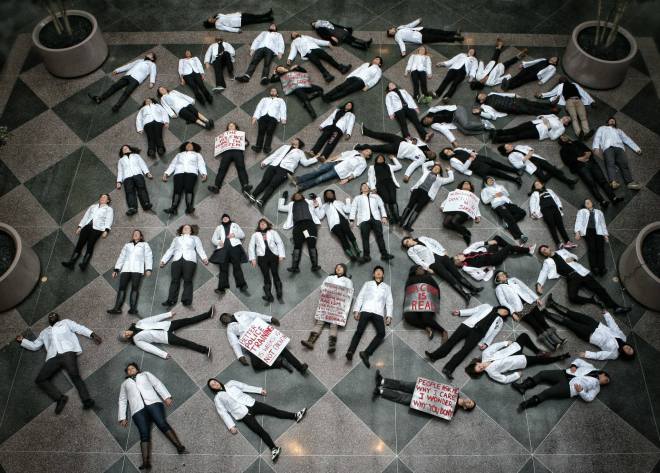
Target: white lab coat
{"x": 131, "y": 165}
{"x": 419, "y": 62}
{"x": 218, "y": 238}
{"x": 187, "y": 161}
{"x": 186, "y": 247}
{"x": 501, "y": 357}
{"x": 235, "y": 329}
{"x": 582, "y": 219}
{"x": 516, "y": 158}
{"x": 59, "y": 338}
{"x": 345, "y": 123}
{"x": 288, "y": 158}
{"x": 174, "y": 101}
{"x": 475, "y": 314}
{"x": 424, "y": 255}
{"x": 212, "y": 52}
{"x": 362, "y": 204}
{"x": 371, "y": 174}
{"x": 369, "y": 73}
{"x": 375, "y": 298}
{"x": 257, "y": 247}
{"x": 514, "y": 293}
{"x": 488, "y": 195}
{"x": 470, "y": 63}
{"x": 142, "y": 391}
{"x": 135, "y": 258}
{"x": 304, "y": 44}
{"x": 439, "y": 180}
{"x": 151, "y": 113}
{"x": 604, "y": 337}
{"x": 608, "y": 136}
{"x": 559, "y": 88}
{"x": 283, "y": 206}
{"x": 233, "y": 403}
{"x": 333, "y": 210}
{"x": 393, "y": 102}
{"x": 549, "y": 268}
{"x": 271, "y": 40}
{"x": 272, "y": 106}
{"x": 535, "y": 205}
{"x": 545, "y": 74}
{"x": 101, "y": 217}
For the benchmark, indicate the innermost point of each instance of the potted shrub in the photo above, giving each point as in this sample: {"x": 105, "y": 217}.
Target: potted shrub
{"x": 639, "y": 267}
{"x": 70, "y": 42}
{"x": 599, "y": 52}
{"x": 19, "y": 268}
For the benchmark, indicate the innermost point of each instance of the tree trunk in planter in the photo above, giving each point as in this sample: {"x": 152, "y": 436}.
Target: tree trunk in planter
{"x": 19, "y": 271}
{"x": 639, "y": 267}
{"x": 76, "y": 60}
{"x": 590, "y": 71}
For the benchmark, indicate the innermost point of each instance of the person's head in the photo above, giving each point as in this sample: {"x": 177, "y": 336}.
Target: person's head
{"x": 476, "y": 110}
{"x": 297, "y": 143}
{"x": 459, "y": 259}
{"x": 272, "y": 92}
{"x": 554, "y": 60}
{"x": 126, "y": 336}
{"x": 187, "y": 54}
{"x": 348, "y": 106}
{"x": 131, "y": 369}
{"x": 209, "y": 23}
{"x": 502, "y": 311}
{"x": 466, "y": 404}
{"x": 471, "y": 52}
{"x": 481, "y": 98}
{"x": 378, "y": 273}
{"x": 148, "y": 101}
{"x": 294, "y": 35}
{"x": 408, "y": 242}
{"x": 391, "y": 86}
{"x": 477, "y": 85}
{"x": 279, "y": 70}
{"x": 427, "y": 120}
{"x": 466, "y": 186}
{"x": 565, "y": 120}
{"x": 446, "y": 153}
{"x": 564, "y": 140}
{"x": 475, "y": 368}
{"x": 232, "y": 126}
{"x": 417, "y": 271}
{"x": 611, "y": 122}
{"x": 127, "y": 149}
{"x": 162, "y": 91}
{"x": 297, "y": 197}
{"x": 225, "y": 218}
{"x": 380, "y": 159}
{"x": 219, "y": 39}
{"x": 150, "y": 56}
{"x": 603, "y": 378}
{"x": 272, "y": 27}
{"x": 189, "y": 146}
{"x": 430, "y": 155}
{"x": 626, "y": 350}
{"x": 538, "y": 186}
{"x": 187, "y": 229}
{"x": 588, "y": 204}
{"x": 391, "y": 31}
{"x": 263, "y": 225}
{"x": 545, "y": 250}
{"x": 340, "y": 269}
{"x": 104, "y": 199}
{"x": 329, "y": 195}
{"x": 364, "y": 188}
{"x": 215, "y": 385}
{"x": 489, "y": 181}
{"x": 501, "y": 277}
{"x": 53, "y": 318}
{"x": 377, "y": 61}
{"x": 505, "y": 149}
{"x": 422, "y": 50}
{"x": 436, "y": 169}
{"x": 366, "y": 153}
{"x": 137, "y": 236}
{"x": 226, "y": 318}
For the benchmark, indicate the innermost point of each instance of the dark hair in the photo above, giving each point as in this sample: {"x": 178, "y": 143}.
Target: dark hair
{"x": 442, "y": 152}
{"x": 158, "y": 94}
{"x": 460, "y": 185}
{"x": 107, "y": 195}
{"x": 343, "y": 265}
{"x": 208, "y": 384}
{"x": 141, "y": 234}
{"x": 295, "y": 194}
{"x": 343, "y": 106}
{"x": 502, "y": 150}
{"x": 153, "y": 54}
{"x": 541, "y": 247}
{"x": 468, "y": 409}
{"x": 471, "y": 369}
{"x": 497, "y": 273}
{"x": 153, "y": 100}
{"x": 301, "y": 143}
{"x": 229, "y": 123}
{"x": 407, "y": 238}
{"x": 378, "y": 267}
{"x": 182, "y": 147}
{"x": 132, "y": 148}
{"x": 334, "y": 195}
{"x": 604, "y": 372}
{"x": 533, "y": 189}
{"x": 269, "y": 226}
{"x": 208, "y": 24}
{"x": 224, "y": 315}
{"x": 194, "y": 229}
{"x": 477, "y": 85}
{"x": 219, "y": 39}
{"x": 622, "y": 354}
{"x": 381, "y": 61}
{"x": 133, "y": 364}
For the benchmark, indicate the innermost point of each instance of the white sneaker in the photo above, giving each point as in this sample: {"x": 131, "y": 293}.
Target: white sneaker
{"x": 217, "y": 89}
{"x": 300, "y": 414}
{"x": 275, "y": 453}
{"x": 635, "y": 186}
{"x": 532, "y": 249}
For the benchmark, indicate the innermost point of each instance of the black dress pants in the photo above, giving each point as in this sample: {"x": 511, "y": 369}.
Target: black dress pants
{"x": 266, "y": 128}
{"x": 273, "y": 177}
{"x": 154, "y": 132}
{"x": 196, "y": 83}
{"x": 379, "y": 323}
{"x": 64, "y": 361}
{"x": 372, "y": 226}
{"x": 222, "y": 62}
{"x": 237, "y": 157}
{"x": 136, "y": 188}
{"x": 182, "y": 269}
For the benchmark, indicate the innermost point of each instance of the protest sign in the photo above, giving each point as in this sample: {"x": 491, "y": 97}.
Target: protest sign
{"x": 264, "y": 341}
{"x": 461, "y": 201}
{"x": 421, "y": 297}
{"x": 230, "y": 139}
{"x": 334, "y": 304}
{"x": 434, "y": 398}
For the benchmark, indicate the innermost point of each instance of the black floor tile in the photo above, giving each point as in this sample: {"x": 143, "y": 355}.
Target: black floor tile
{"x": 7, "y": 179}
{"x": 120, "y": 54}
{"x": 23, "y": 105}
{"x": 643, "y": 108}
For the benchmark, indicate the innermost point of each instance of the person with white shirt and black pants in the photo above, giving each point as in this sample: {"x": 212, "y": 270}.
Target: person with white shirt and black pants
{"x": 151, "y": 119}
{"x": 339, "y": 278}
{"x": 235, "y": 154}
{"x": 185, "y": 166}
{"x": 232, "y": 402}
{"x": 221, "y": 56}
{"x": 311, "y": 49}
{"x": 444, "y": 118}
{"x": 270, "y": 110}
{"x": 159, "y": 330}
{"x": 303, "y": 219}
{"x": 382, "y": 180}
{"x": 374, "y": 304}
{"x": 481, "y": 327}
{"x": 344, "y": 166}
{"x": 580, "y": 379}
{"x": 136, "y": 73}
{"x": 363, "y": 78}
{"x": 540, "y": 70}
{"x": 266, "y": 250}
{"x": 402, "y": 107}
{"x": 544, "y": 203}
{"x": 590, "y": 225}
{"x": 339, "y": 123}
{"x": 95, "y": 224}
{"x": 183, "y": 251}
{"x": 494, "y": 72}
{"x": 419, "y": 66}
{"x": 468, "y": 161}
{"x": 338, "y": 34}
{"x": 279, "y": 165}
{"x": 494, "y": 105}
{"x": 134, "y": 262}
{"x": 368, "y": 211}
{"x": 524, "y": 158}
{"x": 459, "y": 67}
{"x": 480, "y": 258}
{"x": 424, "y": 191}
{"x": 296, "y": 81}
{"x": 62, "y": 350}
{"x": 181, "y": 105}
{"x": 563, "y": 263}
{"x": 131, "y": 170}
{"x": 233, "y": 22}
{"x": 610, "y": 144}
{"x": 497, "y": 196}
{"x": 191, "y": 72}
{"x": 226, "y": 240}
{"x": 413, "y": 33}
{"x": 574, "y": 98}
{"x": 146, "y": 394}
{"x": 544, "y": 127}
{"x": 337, "y": 213}
{"x": 265, "y": 46}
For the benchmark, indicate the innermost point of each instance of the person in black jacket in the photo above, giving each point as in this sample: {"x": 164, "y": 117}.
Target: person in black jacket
{"x": 338, "y": 34}
{"x": 514, "y": 105}
{"x": 295, "y": 81}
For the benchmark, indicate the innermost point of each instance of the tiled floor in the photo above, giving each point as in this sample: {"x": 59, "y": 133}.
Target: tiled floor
{"x": 62, "y": 154}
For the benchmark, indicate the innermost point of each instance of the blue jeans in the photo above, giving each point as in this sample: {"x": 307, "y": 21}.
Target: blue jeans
{"x": 325, "y": 172}
{"x": 144, "y": 417}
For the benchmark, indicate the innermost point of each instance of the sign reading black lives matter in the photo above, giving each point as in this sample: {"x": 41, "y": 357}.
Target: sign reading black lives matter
{"x": 264, "y": 341}
{"x": 434, "y": 398}
{"x": 334, "y": 304}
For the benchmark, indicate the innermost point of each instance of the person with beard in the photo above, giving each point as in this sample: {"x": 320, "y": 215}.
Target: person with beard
{"x": 229, "y": 250}
{"x": 62, "y": 350}
{"x": 136, "y": 73}
{"x": 338, "y": 34}
{"x": 455, "y": 220}
{"x": 413, "y": 33}
{"x": 523, "y": 158}
{"x": 363, "y": 78}
{"x": 337, "y": 213}
{"x": 422, "y": 301}
{"x": 540, "y": 70}
{"x": 270, "y": 110}
{"x": 382, "y": 180}
{"x": 266, "y": 250}
{"x": 151, "y": 119}
{"x": 134, "y": 262}
{"x": 96, "y": 223}
{"x": 432, "y": 257}
{"x": 191, "y": 72}
{"x": 610, "y": 144}
{"x": 544, "y": 203}
{"x": 235, "y": 155}
{"x": 147, "y": 397}
{"x": 181, "y": 105}
{"x": 497, "y": 196}
{"x": 339, "y": 123}
{"x": 233, "y": 22}
{"x": 303, "y": 219}
{"x": 424, "y": 191}
{"x": 221, "y": 55}
{"x": 185, "y": 166}
{"x": 401, "y": 107}
{"x": 368, "y": 212}
{"x": 468, "y": 162}
{"x": 295, "y": 81}
{"x": 264, "y": 47}
{"x": 340, "y": 278}
{"x": 590, "y": 224}
{"x": 131, "y": 170}
{"x": 311, "y": 49}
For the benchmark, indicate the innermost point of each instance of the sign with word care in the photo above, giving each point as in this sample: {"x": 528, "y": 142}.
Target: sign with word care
{"x": 434, "y": 398}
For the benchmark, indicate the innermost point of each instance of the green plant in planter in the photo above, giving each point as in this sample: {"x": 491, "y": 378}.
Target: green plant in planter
{"x": 58, "y": 14}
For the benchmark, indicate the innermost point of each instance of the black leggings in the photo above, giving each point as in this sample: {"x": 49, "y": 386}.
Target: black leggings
{"x": 344, "y": 233}
{"x": 485, "y": 166}
{"x": 559, "y": 381}
{"x": 259, "y": 408}
{"x": 88, "y": 236}
{"x": 196, "y": 83}
{"x": 154, "y": 132}
{"x": 135, "y": 188}
{"x": 595, "y": 250}
{"x": 182, "y": 269}
{"x": 175, "y": 325}
{"x": 402, "y": 116}
{"x": 555, "y": 223}
{"x": 580, "y": 324}
{"x": 456, "y": 221}
{"x": 423, "y": 320}
{"x": 419, "y": 83}
{"x": 184, "y": 182}
{"x": 233, "y": 257}
{"x": 451, "y": 80}
{"x": 150, "y": 413}
{"x": 330, "y": 136}
{"x": 366, "y": 228}
{"x": 237, "y": 157}
{"x": 269, "y": 265}
{"x": 68, "y": 362}
{"x": 299, "y": 238}
{"x": 472, "y": 336}
{"x": 418, "y": 200}
{"x": 386, "y": 190}
{"x": 273, "y": 177}
{"x": 317, "y": 55}
{"x": 265, "y": 129}
{"x": 379, "y": 324}
{"x": 575, "y": 282}
{"x": 285, "y": 356}
{"x": 511, "y": 214}
{"x": 350, "y": 85}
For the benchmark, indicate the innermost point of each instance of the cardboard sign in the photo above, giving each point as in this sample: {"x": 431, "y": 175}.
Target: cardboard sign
{"x": 334, "y": 304}
{"x": 434, "y": 398}
{"x": 264, "y": 341}
{"x": 231, "y": 139}
{"x": 421, "y": 298}
{"x": 294, "y": 80}
{"x": 461, "y": 201}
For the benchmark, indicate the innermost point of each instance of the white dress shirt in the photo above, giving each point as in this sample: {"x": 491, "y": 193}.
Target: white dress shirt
{"x": 489, "y": 195}
{"x": 554, "y": 131}
{"x": 492, "y": 71}
{"x": 271, "y": 40}
{"x": 590, "y": 385}
{"x": 186, "y": 247}
{"x": 501, "y": 357}
{"x": 101, "y": 217}
{"x": 257, "y": 246}
{"x": 233, "y": 403}
{"x": 514, "y": 293}
{"x": 370, "y": 74}
{"x": 135, "y": 258}
{"x": 212, "y": 52}
{"x": 287, "y": 157}
{"x": 174, "y": 101}
{"x": 393, "y": 101}
{"x": 470, "y": 63}
{"x": 187, "y": 161}
{"x": 130, "y": 165}
{"x": 350, "y": 165}
{"x": 549, "y": 268}
{"x": 333, "y": 210}
{"x": 228, "y": 22}
{"x": 484, "y": 273}
{"x": 608, "y": 136}
{"x": 365, "y": 207}
{"x": 545, "y": 74}
{"x": 339, "y": 281}
{"x": 604, "y": 337}
{"x": 419, "y": 62}
{"x": 58, "y": 338}
{"x": 535, "y": 203}
{"x": 518, "y": 161}
{"x": 283, "y": 206}
{"x": 582, "y": 220}
{"x": 190, "y": 65}
{"x": 218, "y": 238}
{"x": 371, "y": 174}
{"x": 304, "y": 44}
{"x": 143, "y": 390}
{"x": 411, "y": 33}
{"x": 236, "y": 329}
{"x": 424, "y": 255}
{"x": 345, "y": 123}
{"x": 437, "y": 184}
{"x": 153, "y": 330}
{"x": 475, "y": 314}
{"x": 413, "y": 152}
{"x": 272, "y": 106}
{"x": 557, "y": 92}
{"x": 140, "y": 70}
{"x": 375, "y": 298}
{"x": 150, "y": 113}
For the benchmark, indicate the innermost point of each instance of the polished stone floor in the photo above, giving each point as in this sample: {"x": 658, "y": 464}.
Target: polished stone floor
{"x": 62, "y": 154}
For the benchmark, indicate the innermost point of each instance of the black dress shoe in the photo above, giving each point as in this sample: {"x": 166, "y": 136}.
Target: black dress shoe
{"x": 256, "y": 149}
{"x": 214, "y": 189}
{"x": 622, "y": 310}
{"x": 365, "y": 358}
{"x": 61, "y": 402}
{"x": 448, "y": 374}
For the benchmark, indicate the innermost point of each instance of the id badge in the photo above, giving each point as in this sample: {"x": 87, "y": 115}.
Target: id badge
{"x": 305, "y": 233}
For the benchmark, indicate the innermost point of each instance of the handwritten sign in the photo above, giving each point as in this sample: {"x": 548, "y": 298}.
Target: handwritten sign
{"x": 230, "y": 139}
{"x": 434, "y": 398}
{"x": 334, "y": 304}
{"x": 294, "y": 80}
{"x": 421, "y": 298}
{"x": 461, "y": 201}
{"x": 264, "y": 341}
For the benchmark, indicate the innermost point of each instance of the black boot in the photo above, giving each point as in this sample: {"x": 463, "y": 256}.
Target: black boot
{"x": 463, "y": 293}
{"x": 546, "y": 338}
{"x": 555, "y": 338}
{"x": 393, "y": 214}
{"x": 556, "y": 318}
{"x": 356, "y": 250}
{"x": 314, "y": 258}
{"x": 407, "y": 225}
{"x": 307, "y": 105}
{"x": 85, "y": 261}
{"x": 268, "y": 295}
{"x": 295, "y": 262}
{"x": 332, "y": 345}
{"x": 72, "y": 261}
{"x": 189, "y": 204}
{"x": 176, "y": 199}
{"x": 531, "y": 402}
{"x": 527, "y": 383}
{"x": 133, "y": 299}
{"x": 119, "y": 301}
{"x": 404, "y": 216}
{"x": 278, "y": 292}
{"x": 171, "y": 436}
{"x": 145, "y": 447}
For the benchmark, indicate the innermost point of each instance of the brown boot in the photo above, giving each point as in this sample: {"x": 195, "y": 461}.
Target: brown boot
{"x": 145, "y": 447}
{"x": 311, "y": 340}
{"x": 332, "y": 346}
{"x": 171, "y": 436}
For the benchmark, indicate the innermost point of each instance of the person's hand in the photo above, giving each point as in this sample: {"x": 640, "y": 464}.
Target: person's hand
{"x": 403, "y": 54}
{"x": 207, "y": 66}
{"x": 253, "y": 263}
{"x": 254, "y": 121}
{"x": 114, "y": 73}
{"x": 430, "y": 271}
{"x": 204, "y": 177}
{"x": 19, "y": 338}
{"x": 477, "y": 219}
{"x": 279, "y": 56}
{"x": 104, "y": 234}
{"x": 231, "y": 235}
{"x": 288, "y": 62}
{"x": 492, "y": 242}
{"x": 123, "y": 423}
{"x": 577, "y": 235}
{"x": 638, "y": 153}
{"x": 263, "y": 164}
{"x": 578, "y": 388}
{"x": 539, "y": 289}
{"x": 166, "y": 125}
{"x": 147, "y": 273}
{"x": 581, "y": 354}
{"x": 162, "y": 265}
{"x": 538, "y": 95}
{"x": 150, "y": 176}
{"x": 205, "y": 262}
{"x": 498, "y": 194}
{"x": 243, "y": 360}
{"x": 384, "y": 220}
{"x": 98, "y": 340}
{"x": 343, "y": 182}
{"x": 455, "y": 312}
{"x": 365, "y": 89}
{"x": 118, "y": 185}
{"x": 281, "y": 258}
{"x": 78, "y": 231}
{"x": 204, "y": 77}
{"x": 233, "y": 430}
{"x": 141, "y": 131}
{"x": 264, "y": 392}
{"x": 283, "y": 121}
{"x": 391, "y": 117}
{"x": 388, "y": 320}
{"x": 275, "y": 321}
{"x": 168, "y": 402}
{"x": 571, "y": 260}
{"x": 183, "y": 82}
{"x": 607, "y": 238}
{"x": 168, "y": 357}
{"x": 114, "y": 274}
{"x": 482, "y": 346}
{"x": 151, "y": 85}
{"x": 356, "y": 315}
{"x": 515, "y": 316}
{"x": 164, "y": 177}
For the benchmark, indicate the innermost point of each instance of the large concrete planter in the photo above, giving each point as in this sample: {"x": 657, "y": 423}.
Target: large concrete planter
{"x": 635, "y": 275}
{"x": 23, "y": 273}
{"x": 75, "y": 61}
{"x": 590, "y": 71}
